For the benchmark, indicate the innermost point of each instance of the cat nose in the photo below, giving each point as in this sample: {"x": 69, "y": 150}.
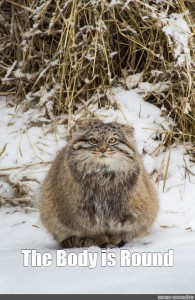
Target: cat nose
{"x": 103, "y": 148}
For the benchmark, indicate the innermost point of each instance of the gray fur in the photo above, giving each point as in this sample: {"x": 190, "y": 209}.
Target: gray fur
{"x": 98, "y": 197}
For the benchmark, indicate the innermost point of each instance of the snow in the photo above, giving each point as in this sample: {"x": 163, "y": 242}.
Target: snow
{"x": 113, "y": 53}
{"x": 32, "y": 143}
{"x": 9, "y": 70}
{"x": 178, "y": 29}
{"x": 114, "y": 2}
{"x": 28, "y": 141}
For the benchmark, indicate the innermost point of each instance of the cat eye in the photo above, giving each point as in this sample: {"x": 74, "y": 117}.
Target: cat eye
{"x": 112, "y": 140}
{"x": 94, "y": 141}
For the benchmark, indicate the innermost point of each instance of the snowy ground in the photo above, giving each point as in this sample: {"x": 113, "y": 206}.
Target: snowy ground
{"x": 29, "y": 142}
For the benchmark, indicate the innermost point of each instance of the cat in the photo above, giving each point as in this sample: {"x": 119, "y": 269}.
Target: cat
{"x": 97, "y": 192}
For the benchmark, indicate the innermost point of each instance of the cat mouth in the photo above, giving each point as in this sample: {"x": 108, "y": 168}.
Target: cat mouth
{"x": 103, "y": 154}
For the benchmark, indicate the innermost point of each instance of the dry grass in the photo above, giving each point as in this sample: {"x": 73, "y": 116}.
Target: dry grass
{"x": 76, "y": 48}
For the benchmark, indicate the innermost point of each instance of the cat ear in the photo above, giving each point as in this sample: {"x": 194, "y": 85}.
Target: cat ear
{"x": 127, "y": 129}
{"x": 79, "y": 126}
{"x": 83, "y": 124}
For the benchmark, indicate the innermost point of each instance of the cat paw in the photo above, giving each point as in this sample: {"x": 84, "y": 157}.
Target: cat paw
{"x": 108, "y": 246}
{"x": 111, "y": 246}
{"x": 77, "y": 242}
{"x": 87, "y": 242}
{"x": 121, "y": 244}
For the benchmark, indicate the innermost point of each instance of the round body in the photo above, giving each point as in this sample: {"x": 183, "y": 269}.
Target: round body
{"x": 97, "y": 191}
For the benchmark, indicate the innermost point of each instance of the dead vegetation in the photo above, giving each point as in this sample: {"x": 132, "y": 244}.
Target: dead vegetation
{"x": 75, "y": 49}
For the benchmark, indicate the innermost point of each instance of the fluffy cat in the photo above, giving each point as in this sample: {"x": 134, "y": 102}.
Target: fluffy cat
{"x": 97, "y": 191}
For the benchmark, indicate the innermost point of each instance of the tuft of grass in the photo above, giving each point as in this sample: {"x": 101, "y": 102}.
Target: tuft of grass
{"x": 78, "y": 48}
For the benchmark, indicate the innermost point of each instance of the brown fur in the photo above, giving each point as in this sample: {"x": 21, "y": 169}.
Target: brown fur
{"x": 86, "y": 202}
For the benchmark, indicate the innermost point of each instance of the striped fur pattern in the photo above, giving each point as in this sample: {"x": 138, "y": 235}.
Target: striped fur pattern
{"x": 97, "y": 191}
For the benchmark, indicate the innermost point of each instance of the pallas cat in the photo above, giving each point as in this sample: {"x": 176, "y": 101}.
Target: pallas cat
{"x": 97, "y": 192}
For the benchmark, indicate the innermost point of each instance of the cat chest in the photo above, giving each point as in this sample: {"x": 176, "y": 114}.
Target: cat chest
{"x": 103, "y": 207}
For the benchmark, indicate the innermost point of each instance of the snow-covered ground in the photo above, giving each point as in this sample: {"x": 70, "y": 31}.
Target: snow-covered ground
{"x": 29, "y": 142}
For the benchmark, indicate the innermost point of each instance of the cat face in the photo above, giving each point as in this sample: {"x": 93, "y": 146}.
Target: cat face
{"x": 98, "y": 144}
